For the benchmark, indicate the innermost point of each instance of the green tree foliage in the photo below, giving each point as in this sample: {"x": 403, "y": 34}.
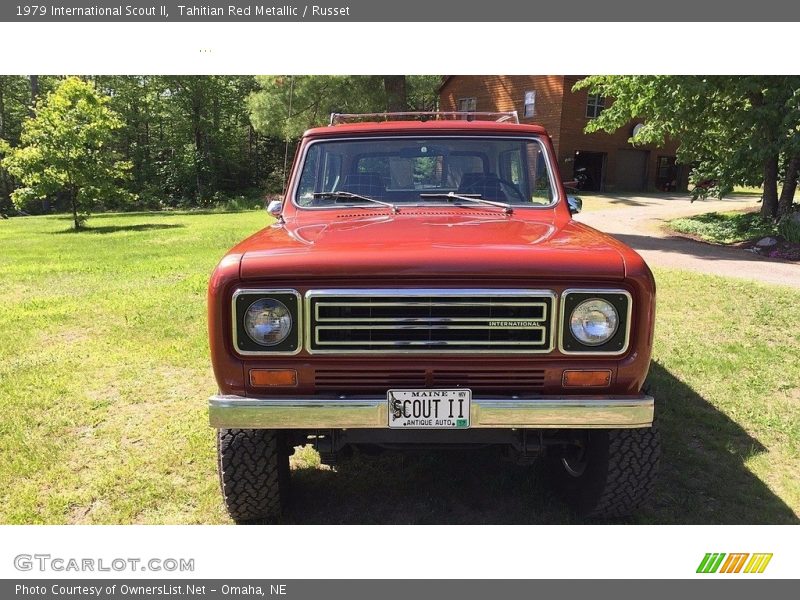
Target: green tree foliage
{"x": 66, "y": 149}
{"x": 284, "y": 106}
{"x": 190, "y": 140}
{"x": 14, "y": 106}
{"x": 742, "y": 130}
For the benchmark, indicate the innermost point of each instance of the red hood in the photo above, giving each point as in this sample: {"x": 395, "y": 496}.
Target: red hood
{"x": 427, "y": 242}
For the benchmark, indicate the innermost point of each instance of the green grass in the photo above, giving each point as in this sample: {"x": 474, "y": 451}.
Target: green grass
{"x": 747, "y": 190}
{"x": 104, "y": 375}
{"x": 725, "y": 227}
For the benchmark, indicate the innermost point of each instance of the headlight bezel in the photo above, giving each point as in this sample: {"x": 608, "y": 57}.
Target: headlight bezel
{"x": 618, "y": 343}
{"x": 243, "y": 299}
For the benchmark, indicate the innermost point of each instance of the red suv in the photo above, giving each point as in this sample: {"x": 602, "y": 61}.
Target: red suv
{"x": 424, "y": 284}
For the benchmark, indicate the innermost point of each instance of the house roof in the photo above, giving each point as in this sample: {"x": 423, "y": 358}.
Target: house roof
{"x": 445, "y": 79}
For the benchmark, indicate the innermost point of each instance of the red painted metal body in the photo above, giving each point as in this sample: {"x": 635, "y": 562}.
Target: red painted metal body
{"x": 539, "y": 248}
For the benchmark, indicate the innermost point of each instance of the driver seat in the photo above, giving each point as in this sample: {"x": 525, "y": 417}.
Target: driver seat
{"x": 486, "y": 184}
{"x": 365, "y": 184}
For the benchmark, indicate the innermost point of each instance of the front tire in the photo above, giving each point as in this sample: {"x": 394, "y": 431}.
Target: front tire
{"x": 253, "y": 473}
{"x": 612, "y": 475}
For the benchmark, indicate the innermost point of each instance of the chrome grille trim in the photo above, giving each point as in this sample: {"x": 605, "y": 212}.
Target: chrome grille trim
{"x": 539, "y": 322}
{"x": 321, "y": 319}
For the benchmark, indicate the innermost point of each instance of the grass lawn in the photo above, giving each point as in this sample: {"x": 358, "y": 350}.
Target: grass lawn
{"x": 104, "y": 375}
{"x": 725, "y": 227}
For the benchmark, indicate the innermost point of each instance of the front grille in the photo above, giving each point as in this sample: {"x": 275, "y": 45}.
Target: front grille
{"x": 442, "y": 321}
{"x": 486, "y": 379}
{"x": 351, "y": 380}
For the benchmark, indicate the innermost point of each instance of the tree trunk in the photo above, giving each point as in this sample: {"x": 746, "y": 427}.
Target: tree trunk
{"x": 395, "y": 87}
{"x": 73, "y": 196}
{"x": 769, "y": 202}
{"x": 34, "y": 79}
{"x": 198, "y": 143}
{"x": 789, "y": 186}
{"x": 2, "y": 110}
{"x": 34, "y": 92}
{"x": 5, "y": 193}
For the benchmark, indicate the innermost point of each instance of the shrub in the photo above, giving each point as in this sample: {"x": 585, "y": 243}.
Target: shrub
{"x": 789, "y": 227}
{"x": 725, "y": 228}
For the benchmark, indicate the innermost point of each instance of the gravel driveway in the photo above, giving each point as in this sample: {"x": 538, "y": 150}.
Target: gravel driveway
{"x": 638, "y": 220}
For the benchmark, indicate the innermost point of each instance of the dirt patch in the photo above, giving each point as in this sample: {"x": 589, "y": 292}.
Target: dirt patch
{"x": 67, "y": 336}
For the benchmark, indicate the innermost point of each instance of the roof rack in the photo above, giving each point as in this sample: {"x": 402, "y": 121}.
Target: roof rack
{"x": 497, "y": 117}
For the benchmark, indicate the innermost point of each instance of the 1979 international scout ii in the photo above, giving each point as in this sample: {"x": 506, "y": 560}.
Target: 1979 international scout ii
{"x": 424, "y": 284}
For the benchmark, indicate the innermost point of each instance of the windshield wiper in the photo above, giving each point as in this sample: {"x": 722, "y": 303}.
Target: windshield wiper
{"x": 476, "y": 198}
{"x": 352, "y": 196}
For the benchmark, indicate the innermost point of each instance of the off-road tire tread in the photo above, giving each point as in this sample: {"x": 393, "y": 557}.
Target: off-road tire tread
{"x": 253, "y": 469}
{"x": 620, "y": 475}
{"x": 633, "y": 461}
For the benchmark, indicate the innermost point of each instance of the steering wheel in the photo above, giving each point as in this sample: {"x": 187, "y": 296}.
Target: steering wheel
{"x": 505, "y": 184}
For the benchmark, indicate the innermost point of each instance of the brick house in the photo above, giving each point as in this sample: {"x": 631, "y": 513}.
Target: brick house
{"x": 608, "y": 161}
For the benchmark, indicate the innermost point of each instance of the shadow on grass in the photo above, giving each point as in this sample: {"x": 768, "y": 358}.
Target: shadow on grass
{"x": 703, "y": 479}
{"x": 159, "y": 213}
{"x": 117, "y": 228}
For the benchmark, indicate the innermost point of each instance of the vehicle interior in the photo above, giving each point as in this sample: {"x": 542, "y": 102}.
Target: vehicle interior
{"x": 423, "y": 171}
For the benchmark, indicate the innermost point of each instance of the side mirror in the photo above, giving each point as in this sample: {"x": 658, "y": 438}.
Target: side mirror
{"x": 274, "y": 208}
{"x": 575, "y": 204}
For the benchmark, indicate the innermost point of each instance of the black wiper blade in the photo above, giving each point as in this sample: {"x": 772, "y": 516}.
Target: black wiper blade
{"x": 476, "y": 198}
{"x": 351, "y": 195}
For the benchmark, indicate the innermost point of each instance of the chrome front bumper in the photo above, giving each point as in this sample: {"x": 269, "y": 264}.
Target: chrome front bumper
{"x": 572, "y": 412}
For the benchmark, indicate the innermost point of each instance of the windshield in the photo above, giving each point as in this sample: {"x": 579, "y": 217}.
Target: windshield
{"x": 416, "y": 170}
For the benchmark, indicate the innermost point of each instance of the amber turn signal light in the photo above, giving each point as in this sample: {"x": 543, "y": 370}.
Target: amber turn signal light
{"x": 273, "y": 377}
{"x": 586, "y": 378}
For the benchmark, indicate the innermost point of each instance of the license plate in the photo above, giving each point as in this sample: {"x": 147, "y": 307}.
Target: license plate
{"x": 429, "y": 409}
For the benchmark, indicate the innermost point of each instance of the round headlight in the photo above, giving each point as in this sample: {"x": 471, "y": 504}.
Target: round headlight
{"x": 594, "y": 322}
{"x": 268, "y": 322}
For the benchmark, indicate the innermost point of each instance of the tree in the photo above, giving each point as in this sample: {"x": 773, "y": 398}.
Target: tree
{"x": 13, "y": 109}
{"x": 742, "y": 130}
{"x": 394, "y": 86}
{"x": 189, "y": 138}
{"x": 66, "y": 148}
{"x": 285, "y": 106}
{"x": 34, "y": 91}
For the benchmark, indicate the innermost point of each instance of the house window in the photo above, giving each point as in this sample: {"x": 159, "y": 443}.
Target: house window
{"x": 594, "y": 105}
{"x": 530, "y": 103}
{"x": 467, "y": 104}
